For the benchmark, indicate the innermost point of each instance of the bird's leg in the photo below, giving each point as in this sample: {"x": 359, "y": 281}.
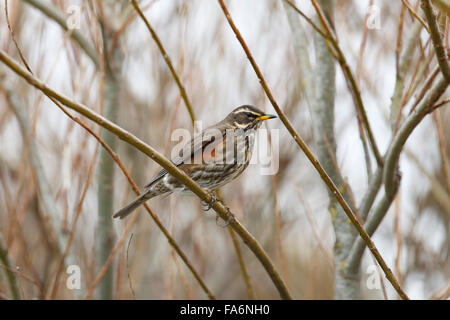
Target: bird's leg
{"x": 208, "y": 205}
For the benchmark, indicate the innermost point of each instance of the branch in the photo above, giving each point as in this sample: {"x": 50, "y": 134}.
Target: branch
{"x": 351, "y": 82}
{"x": 371, "y": 193}
{"x": 55, "y": 15}
{"x": 135, "y": 188}
{"x": 47, "y": 202}
{"x": 248, "y": 284}
{"x": 167, "y": 60}
{"x": 301, "y": 49}
{"x": 416, "y": 15}
{"x": 313, "y": 25}
{"x": 313, "y": 159}
{"x": 12, "y": 280}
{"x": 411, "y": 122}
{"x": 111, "y": 64}
{"x": 443, "y": 4}
{"x": 441, "y": 55}
{"x": 181, "y": 176}
{"x": 325, "y": 143}
{"x": 391, "y": 164}
{"x": 357, "y": 250}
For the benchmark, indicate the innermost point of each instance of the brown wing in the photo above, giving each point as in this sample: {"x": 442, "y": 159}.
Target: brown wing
{"x": 192, "y": 152}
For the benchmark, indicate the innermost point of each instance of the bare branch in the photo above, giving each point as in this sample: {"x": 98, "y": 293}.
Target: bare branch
{"x": 439, "y": 48}
{"x": 415, "y": 14}
{"x": 245, "y": 275}
{"x": 12, "y": 280}
{"x": 351, "y": 82}
{"x": 313, "y": 159}
{"x": 54, "y": 14}
{"x": 181, "y": 176}
{"x": 167, "y": 60}
{"x": 405, "y": 130}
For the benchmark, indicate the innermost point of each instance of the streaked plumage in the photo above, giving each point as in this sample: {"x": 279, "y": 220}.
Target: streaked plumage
{"x": 205, "y": 158}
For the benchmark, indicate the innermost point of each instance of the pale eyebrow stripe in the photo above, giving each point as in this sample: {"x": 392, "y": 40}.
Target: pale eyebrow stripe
{"x": 247, "y": 110}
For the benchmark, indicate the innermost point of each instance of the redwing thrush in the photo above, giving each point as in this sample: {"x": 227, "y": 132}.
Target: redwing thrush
{"x": 213, "y": 158}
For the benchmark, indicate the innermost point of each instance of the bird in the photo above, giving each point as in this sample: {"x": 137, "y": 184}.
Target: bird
{"x": 212, "y": 158}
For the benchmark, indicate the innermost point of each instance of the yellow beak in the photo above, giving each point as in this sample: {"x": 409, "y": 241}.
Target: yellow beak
{"x": 266, "y": 117}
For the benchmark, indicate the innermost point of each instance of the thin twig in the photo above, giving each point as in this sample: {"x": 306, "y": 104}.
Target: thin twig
{"x": 12, "y": 280}
{"x": 154, "y": 217}
{"x": 425, "y": 88}
{"x": 399, "y": 42}
{"x": 248, "y": 284}
{"x": 167, "y": 60}
{"x": 442, "y": 149}
{"x": 24, "y": 276}
{"x": 405, "y": 130}
{"x": 439, "y": 48}
{"x": 109, "y": 260}
{"x": 53, "y": 13}
{"x": 416, "y": 15}
{"x": 181, "y": 176}
{"x": 117, "y": 160}
{"x": 351, "y": 82}
{"x": 359, "y": 66}
{"x": 403, "y": 66}
{"x": 398, "y": 237}
{"x": 441, "y": 294}
{"x": 309, "y": 217}
{"x": 245, "y": 275}
{"x": 312, "y": 158}
{"x": 356, "y": 252}
{"x": 74, "y": 224}
{"x": 128, "y": 269}
{"x": 315, "y": 27}
{"x": 440, "y": 104}
{"x": 420, "y": 69}
{"x": 363, "y": 44}
{"x": 346, "y": 187}
{"x": 186, "y": 287}
{"x": 277, "y": 213}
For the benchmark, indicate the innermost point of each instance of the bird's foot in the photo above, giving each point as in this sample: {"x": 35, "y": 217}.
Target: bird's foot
{"x": 230, "y": 219}
{"x": 207, "y": 205}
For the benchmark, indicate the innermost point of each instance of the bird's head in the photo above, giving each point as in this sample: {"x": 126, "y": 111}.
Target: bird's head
{"x": 247, "y": 117}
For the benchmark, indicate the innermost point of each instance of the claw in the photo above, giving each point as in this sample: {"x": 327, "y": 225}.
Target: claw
{"x": 208, "y": 205}
{"x": 230, "y": 219}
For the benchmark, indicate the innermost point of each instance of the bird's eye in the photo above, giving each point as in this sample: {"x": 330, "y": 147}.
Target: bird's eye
{"x": 251, "y": 115}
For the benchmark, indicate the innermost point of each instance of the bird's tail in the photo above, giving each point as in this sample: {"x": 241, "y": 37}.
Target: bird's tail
{"x": 122, "y": 213}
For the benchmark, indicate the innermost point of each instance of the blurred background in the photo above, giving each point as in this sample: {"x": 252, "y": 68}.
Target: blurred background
{"x": 56, "y": 183}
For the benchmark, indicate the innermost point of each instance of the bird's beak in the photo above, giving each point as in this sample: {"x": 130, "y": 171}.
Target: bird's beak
{"x": 266, "y": 117}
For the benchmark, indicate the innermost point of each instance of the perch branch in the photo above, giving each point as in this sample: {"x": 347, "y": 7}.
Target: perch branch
{"x": 126, "y": 136}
